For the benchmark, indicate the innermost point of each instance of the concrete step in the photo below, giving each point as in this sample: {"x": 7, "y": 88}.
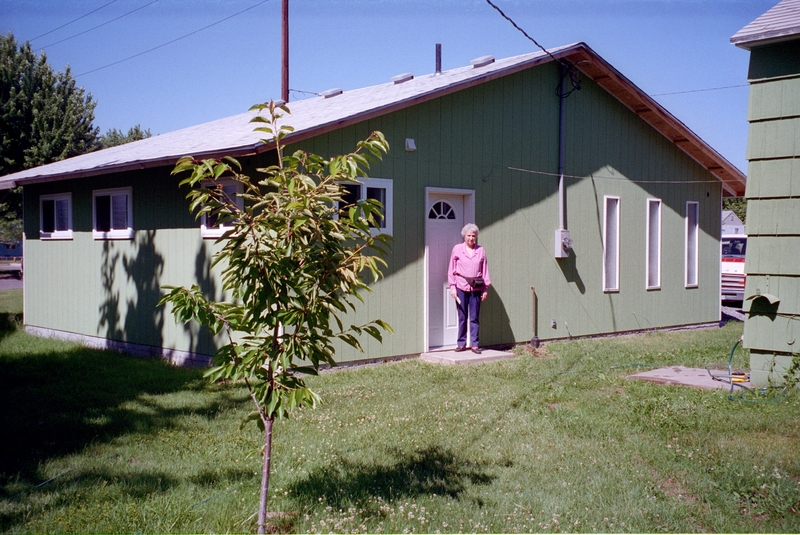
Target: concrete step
{"x": 465, "y": 357}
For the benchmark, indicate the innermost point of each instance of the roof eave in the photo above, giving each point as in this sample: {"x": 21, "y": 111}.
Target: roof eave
{"x": 235, "y": 152}
{"x": 766, "y": 38}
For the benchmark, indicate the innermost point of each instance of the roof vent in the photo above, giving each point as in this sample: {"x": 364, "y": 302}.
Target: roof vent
{"x": 331, "y": 92}
{"x": 482, "y": 61}
{"x": 279, "y": 102}
{"x": 400, "y": 78}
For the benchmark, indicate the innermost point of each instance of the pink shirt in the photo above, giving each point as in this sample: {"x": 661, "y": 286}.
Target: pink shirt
{"x": 467, "y": 266}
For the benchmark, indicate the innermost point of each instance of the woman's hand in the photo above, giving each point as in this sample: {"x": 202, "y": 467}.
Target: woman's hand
{"x": 484, "y": 295}
{"x": 453, "y": 292}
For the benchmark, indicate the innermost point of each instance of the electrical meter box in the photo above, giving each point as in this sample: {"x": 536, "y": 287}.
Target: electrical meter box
{"x": 563, "y": 243}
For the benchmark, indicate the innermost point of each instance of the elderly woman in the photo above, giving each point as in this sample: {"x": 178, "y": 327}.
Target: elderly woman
{"x": 468, "y": 276}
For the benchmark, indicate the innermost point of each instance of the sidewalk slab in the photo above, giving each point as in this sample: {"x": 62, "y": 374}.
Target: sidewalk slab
{"x": 680, "y": 375}
{"x": 450, "y": 357}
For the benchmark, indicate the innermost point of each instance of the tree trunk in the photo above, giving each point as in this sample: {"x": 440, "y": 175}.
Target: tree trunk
{"x": 262, "y": 506}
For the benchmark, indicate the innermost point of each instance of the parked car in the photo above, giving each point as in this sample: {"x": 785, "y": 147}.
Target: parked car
{"x": 732, "y": 267}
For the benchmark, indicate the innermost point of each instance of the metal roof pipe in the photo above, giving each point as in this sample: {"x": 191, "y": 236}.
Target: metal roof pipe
{"x": 563, "y": 243}
{"x": 438, "y": 58}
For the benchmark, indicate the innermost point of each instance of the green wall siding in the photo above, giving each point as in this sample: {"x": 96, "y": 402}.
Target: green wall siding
{"x": 468, "y": 140}
{"x": 773, "y": 212}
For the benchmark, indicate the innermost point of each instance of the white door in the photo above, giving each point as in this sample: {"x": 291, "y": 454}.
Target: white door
{"x": 446, "y": 213}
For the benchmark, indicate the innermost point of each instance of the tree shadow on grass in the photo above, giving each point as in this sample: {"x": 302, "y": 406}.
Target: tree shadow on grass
{"x": 55, "y": 404}
{"x": 429, "y": 471}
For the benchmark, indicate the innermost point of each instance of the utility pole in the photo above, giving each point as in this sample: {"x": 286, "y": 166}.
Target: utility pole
{"x": 285, "y": 50}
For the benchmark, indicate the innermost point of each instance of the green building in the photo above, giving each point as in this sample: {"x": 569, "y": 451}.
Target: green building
{"x": 599, "y": 210}
{"x": 772, "y": 265}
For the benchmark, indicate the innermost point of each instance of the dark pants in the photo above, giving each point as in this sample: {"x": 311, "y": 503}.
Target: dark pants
{"x": 469, "y": 309}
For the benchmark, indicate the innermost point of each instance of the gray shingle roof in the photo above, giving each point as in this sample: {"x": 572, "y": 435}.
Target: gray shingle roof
{"x": 234, "y": 135}
{"x": 777, "y": 24}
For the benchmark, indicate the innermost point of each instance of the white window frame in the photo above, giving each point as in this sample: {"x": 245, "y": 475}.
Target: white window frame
{"x": 218, "y": 230}
{"x": 691, "y": 242}
{"x": 611, "y": 244}
{"x": 125, "y": 233}
{"x": 387, "y": 185}
{"x": 653, "y": 245}
{"x": 64, "y": 234}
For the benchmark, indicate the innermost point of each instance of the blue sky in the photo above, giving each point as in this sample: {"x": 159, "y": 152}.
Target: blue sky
{"x": 197, "y": 60}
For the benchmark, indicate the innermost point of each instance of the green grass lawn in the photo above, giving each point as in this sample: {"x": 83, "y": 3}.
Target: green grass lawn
{"x": 558, "y": 441}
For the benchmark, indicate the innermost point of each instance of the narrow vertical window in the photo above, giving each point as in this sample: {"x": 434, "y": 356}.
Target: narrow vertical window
{"x": 692, "y": 228}
{"x": 112, "y": 210}
{"x": 611, "y": 245}
{"x": 55, "y": 214}
{"x": 653, "y": 261}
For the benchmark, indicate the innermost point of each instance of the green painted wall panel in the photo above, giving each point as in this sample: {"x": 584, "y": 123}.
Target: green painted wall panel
{"x": 786, "y": 288}
{"x": 773, "y": 261}
{"x": 774, "y": 334}
{"x": 773, "y": 178}
{"x": 775, "y": 60}
{"x": 774, "y": 139}
{"x": 777, "y": 217}
{"x": 777, "y": 255}
{"x": 774, "y": 99}
{"x": 768, "y": 368}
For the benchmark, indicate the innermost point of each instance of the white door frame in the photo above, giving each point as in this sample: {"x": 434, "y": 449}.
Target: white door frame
{"x": 469, "y": 217}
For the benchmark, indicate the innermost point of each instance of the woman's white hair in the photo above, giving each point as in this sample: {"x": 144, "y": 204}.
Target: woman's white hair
{"x": 469, "y": 227}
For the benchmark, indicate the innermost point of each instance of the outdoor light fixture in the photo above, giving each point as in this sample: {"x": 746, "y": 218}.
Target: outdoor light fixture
{"x": 410, "y": 145}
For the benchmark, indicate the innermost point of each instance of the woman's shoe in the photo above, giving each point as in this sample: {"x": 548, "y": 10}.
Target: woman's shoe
{"x": 477, "y": 350}
{"x": 459, "y": 349}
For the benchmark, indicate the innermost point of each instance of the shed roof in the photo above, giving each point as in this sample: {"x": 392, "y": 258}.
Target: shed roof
{"x": 314, "y": 116}
{"x": 779, "y": 23}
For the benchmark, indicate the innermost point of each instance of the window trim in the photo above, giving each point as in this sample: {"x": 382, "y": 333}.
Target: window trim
{"x": 649, "y": 267}
{"x": 218, "y": 231}
{"x": 386, "y": 184}
{"x": 692, "y": 247}
{"x": 56, "y": 234}
{"x": 113, "y": 234}
{"x": 615, "y": 287}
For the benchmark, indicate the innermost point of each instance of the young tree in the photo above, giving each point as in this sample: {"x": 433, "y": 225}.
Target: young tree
{"x": 292, "y": 266}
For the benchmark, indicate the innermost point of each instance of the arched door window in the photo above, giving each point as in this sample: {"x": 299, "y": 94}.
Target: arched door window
{"x": 441, "y": 210}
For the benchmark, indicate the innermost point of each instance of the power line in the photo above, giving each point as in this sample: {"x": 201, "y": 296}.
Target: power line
{"x": 98, "y": 26}
{"x": 521, "y": 30}
{"x": 74, "y": 20}
{"x": 173, "y": 41}
{"x": 699, "y": 90}
{"x": 568, "y": 67}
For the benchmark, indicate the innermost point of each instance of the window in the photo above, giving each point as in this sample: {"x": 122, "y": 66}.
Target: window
{"x": 441, "y": 210}
{"x": 208, "y": 223}
{"x": 692, "y": 227}
{"x": 653, "y": 260}
{"x": 611, "y": 245}
{"x": 55, "y": 217}
{"x": 379, "y": 189}
{"x": 113, "y": 214}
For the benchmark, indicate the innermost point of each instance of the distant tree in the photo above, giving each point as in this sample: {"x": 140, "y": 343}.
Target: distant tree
{"x": 44, "y": 117}
{"x": 292, "y": 264}
{"x": 115, "y": 137}
{"x": 738, "y": 205}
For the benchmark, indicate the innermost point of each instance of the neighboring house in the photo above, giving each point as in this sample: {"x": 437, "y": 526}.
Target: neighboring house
{"x": 641, "y": 204}
{"x": 772, "y": 264}
{"x": 11, "y": 250}
{"x": 731, "y": 224}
